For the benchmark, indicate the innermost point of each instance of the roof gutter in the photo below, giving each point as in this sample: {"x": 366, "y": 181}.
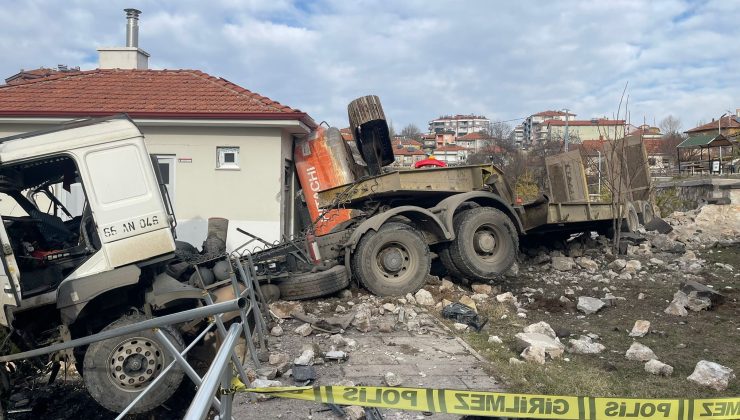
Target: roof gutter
{"x": 302, "y": 117}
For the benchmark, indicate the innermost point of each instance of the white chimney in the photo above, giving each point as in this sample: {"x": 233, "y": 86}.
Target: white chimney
{"x": 130, "y": 56}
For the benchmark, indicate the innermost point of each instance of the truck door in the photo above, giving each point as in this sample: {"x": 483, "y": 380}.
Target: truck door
{"x": 9, "y": 285}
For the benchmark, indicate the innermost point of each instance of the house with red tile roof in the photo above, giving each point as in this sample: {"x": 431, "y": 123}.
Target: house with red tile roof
{"x": 223, "y": 150}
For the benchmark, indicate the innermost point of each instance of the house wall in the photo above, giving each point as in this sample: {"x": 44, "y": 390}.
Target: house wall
{"x": 250, "y": 197}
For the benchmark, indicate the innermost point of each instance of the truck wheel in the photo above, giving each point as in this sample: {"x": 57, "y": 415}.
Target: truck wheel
{"x": 631, "y": 220}
{"x": 452, "y": 270}
{"x": 118, "y": 369}
{"x": 392, "y": 261}
{"x": 312, "y": 285}
{"x": 647, "y": 214}
{"x": 485, "y": 243}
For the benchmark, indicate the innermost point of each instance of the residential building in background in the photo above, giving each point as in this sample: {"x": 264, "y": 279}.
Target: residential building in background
{"x": 728, "y": 124}
{"x": 531, "y": 132}
{"x": 459, "y": 124}
{"x": 579, "y": 130}
{"x": 519, "y": 135}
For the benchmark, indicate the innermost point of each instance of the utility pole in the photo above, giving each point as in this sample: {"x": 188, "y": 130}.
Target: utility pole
{"x": 566, "y": 128}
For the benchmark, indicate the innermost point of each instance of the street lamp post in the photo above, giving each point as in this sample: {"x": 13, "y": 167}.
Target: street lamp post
{"x": 566, "y": 128}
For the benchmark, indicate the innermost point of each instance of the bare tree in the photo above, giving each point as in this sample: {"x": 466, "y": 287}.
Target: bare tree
{"x": 411, "y": 131}
{"x": 670, "y": 125}
{"x": 499, "y": 131}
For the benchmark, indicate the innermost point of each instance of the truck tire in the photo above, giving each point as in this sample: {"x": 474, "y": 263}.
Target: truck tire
{"x": 313, "y": 285}
{"x": 452, "y": 270}
{"x": 127, "y": 357}
{"x": 647, "y": 213}
{"x": 485, "y": 243}
{"x": 393, "y": 261}
{"x": 631, "y": 221}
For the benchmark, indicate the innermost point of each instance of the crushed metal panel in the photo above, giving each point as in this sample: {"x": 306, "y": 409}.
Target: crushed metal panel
{"x": 627, "y": 168}
{"x": 567, "y": 177}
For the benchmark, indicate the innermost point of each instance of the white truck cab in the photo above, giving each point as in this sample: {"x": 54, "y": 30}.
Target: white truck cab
{"x": 52, "y": 256}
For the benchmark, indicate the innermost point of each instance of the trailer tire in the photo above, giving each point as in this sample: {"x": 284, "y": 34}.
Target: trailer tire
{"x": 452, "y": 270}
{"x": 131, "y": 357}
{"x": 647, "y": 213}
{"x": 393, "y": 276}
{"x": 313, "y": 285}
{"x": 485, "y": 243}
{"x": 631, "y": 221}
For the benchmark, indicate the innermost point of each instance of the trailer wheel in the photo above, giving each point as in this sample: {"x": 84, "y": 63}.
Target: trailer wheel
{"x": 647, "y": 214}
{"x": 452, "y": 270}
{"x": 117, "y": 370}
{"x": 393, "y": 261}
{"x": 631, "y": 220}
{"x": 485, "y": 243}
{"x": 313, "y": 285}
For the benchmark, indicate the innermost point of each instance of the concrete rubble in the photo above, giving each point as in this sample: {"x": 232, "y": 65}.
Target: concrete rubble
{"x": 712, "y": 375}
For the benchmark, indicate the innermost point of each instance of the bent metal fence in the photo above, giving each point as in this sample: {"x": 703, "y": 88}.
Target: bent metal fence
{"x": 226, "y": 361}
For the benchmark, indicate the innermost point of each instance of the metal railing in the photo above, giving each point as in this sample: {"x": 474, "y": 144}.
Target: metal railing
{"x": 226, "y": 361}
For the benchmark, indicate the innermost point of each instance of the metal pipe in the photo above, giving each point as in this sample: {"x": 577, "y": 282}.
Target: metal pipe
{"x": 201, "y": 402}
{"x": 184, "y": 364}
{"x": 176, "y": 318}
{"x": 164, "y": 372}
{"x": 132, "y": 27}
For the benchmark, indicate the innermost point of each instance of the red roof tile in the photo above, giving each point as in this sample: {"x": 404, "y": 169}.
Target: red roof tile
{"x": 140, "y": 93}
{"x": 450, "y": 148}
{"x": 730, "y": 121}
{"x": 583, "y": 123}
{"x": 552, "y": 114}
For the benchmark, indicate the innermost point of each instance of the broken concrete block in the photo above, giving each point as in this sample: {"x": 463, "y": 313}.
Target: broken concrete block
{"x": 640, "y": 328}
{"x": 534, "y": 354}
{"x": 304, "y": 330}
{"x": 552, "y": 346}
{"x": 482, "y": 288}
{"x": 712, "y": 375}
{"x": 423, "y": 297}
{"x": 657, "y": 367}
{"x": 640, "y": 353}
{"x": 392, "y": 379}
{"x": 563, "y": 263}
{"x": 584, "y": 345}
{"x": 303, "y": 373}
{"x": 702, "y": 291}
{"x": 541, "y": 327}
{"x": 589, "y": 305}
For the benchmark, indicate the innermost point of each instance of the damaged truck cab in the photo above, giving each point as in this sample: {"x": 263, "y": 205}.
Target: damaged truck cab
{"x": 115, "y": 218}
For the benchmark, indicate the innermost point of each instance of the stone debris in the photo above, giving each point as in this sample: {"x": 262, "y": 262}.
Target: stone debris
{"x": 423, "y": 297}
{"x": 460, "y": 327}
{"x": 632, "y": 266}
{"x": 354, "y": 412}
{"x": 640, "y": 352}
{"x": 469, "y": 302}
{"x": 551, "y": 346}
{"x": 304, "y": 330}
{"x": 446, "y": 285}
{"x": 563, "y": 263}
{"x": 392, "y": 379}
{"x": 585, "y": 345}
{"x": 588, "y": 264}
{"x": 494, "y": 339}
{"x": 302, "y": 373}
{"x": 657, "y": 367}
{"x": 267, "y": 372}
{"x": 284, "y": 309}
{"x": 276, "y": 331}
{"x": 277, "y": 358}
{"x": 640, "y": 328}
{"x": 363, "y": 315}
{"x": 389, "y": 307}
{"x": 340, "y": 309}
{"x": 617, "y": 265}
{"x": 515, "y": 361}
{"x": 336, "y": 355}
{"x": 410, "y": 299}
{"x": 541, "y": 327}
{"x": 534, "y": 354}
{"x": 712, "y": 375}
{"x": 339, "y": 340}
{"x": 305, "y": 359}
{"x": 701, "y": 291}
{"x": 485, "y": 289}
{"x": 589, "y": 305}
{"x": 265, "y": 383}
{"x": 507, "y": 297}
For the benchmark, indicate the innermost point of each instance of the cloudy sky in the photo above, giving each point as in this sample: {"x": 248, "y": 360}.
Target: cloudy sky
{"x": 424, "y": 58}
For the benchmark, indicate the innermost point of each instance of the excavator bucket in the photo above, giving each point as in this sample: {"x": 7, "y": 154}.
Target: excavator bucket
{"x": 370, "y": 130}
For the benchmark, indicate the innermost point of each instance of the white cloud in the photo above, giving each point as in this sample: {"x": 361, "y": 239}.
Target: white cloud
{"x": 423, "y": 58}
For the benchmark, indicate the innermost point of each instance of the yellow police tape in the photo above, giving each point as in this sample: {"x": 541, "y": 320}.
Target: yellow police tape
{"x": 495, "y": 404}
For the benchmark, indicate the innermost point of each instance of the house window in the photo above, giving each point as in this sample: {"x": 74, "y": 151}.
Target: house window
{"x": 227, "y": 158}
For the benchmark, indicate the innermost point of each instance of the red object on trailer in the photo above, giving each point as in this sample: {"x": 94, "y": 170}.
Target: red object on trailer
{"x": 429, "y": 163}
{"x": 323, "y": 160}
